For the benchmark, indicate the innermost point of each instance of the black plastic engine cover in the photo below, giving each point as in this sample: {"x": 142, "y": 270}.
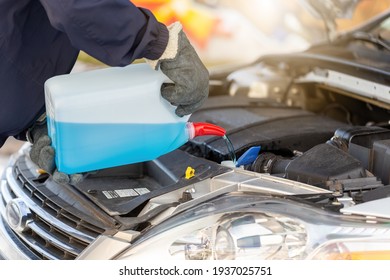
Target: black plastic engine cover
{"x": 119, "y": 191}
{"x": 251, "y": 122}
{"x": 324, "y": 163}
{"x": 371, "y": 146}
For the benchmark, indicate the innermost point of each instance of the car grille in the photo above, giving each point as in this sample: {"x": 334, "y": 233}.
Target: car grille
{"x": 54, "y": 232}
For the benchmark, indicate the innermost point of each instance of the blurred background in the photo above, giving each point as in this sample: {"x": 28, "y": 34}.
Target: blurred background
{"x": 231, "y": 32}
{"x": 238, "y": 32}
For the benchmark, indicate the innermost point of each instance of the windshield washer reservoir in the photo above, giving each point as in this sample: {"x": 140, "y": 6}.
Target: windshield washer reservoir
{"x": 111, "y": 117}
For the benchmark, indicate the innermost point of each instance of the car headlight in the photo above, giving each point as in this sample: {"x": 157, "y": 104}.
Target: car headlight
{"x": 245, "y": 227}
{"x": 354, "y": 249}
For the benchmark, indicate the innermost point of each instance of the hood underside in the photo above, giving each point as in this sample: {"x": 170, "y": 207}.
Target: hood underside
{"x": 330, "y": 10}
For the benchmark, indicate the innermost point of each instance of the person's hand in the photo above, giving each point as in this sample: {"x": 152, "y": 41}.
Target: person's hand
{"x": 43, "y": 154}
{"x": 182, "y": 65}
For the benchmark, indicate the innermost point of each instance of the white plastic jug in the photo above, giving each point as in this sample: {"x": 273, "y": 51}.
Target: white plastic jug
{"x": 110, "y": 117}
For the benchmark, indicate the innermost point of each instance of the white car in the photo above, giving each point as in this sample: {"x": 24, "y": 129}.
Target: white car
{"x": 311, "y": 136}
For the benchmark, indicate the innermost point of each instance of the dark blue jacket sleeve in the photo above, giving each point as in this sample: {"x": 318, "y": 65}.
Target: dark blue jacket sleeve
{"x": 114, "y": 31}
{"x": 41, "y": 39}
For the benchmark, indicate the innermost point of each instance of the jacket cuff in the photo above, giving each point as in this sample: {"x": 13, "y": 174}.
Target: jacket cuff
{"x": 172, "y": 47}
{"x": 158, "y": 46}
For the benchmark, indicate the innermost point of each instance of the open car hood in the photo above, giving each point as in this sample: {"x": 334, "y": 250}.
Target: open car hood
{"x": 330, "y": 10}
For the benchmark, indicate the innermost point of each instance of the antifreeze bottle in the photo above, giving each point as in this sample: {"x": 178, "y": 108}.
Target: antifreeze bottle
{"x": 114, "y": 116}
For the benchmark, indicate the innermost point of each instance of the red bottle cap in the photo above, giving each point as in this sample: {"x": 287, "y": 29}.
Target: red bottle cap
{"x": 202, "y": 129}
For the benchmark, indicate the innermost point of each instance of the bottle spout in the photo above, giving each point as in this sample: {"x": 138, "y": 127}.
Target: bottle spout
{"x": 202, "y": 129}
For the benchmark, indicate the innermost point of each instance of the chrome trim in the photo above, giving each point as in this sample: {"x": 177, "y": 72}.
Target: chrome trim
{"x": 42, "y": 213}
{"x": 37, "y": 247}
{"x": 11, "y": 248}
{"x": 53, "y": 241}
{"x": 4, "y": 190}
{"x": 24, "y": 245}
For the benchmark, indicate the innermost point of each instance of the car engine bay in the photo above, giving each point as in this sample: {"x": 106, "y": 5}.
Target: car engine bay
{"x": 316, "y": 142}
{"x": 309, "y": 132}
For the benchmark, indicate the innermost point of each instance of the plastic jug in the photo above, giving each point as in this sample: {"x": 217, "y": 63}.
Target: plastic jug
{"x": 113, "y": 116}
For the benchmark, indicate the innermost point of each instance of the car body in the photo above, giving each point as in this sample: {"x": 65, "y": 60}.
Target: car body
{"x": 311, "y": 134}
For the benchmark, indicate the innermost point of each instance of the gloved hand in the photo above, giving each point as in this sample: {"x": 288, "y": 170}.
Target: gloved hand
{"x": 182, "y": 65}
{"x": 43, "y": 154}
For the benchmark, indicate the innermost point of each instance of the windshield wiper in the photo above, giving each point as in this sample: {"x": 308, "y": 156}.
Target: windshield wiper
{"x": 371, "y": 38}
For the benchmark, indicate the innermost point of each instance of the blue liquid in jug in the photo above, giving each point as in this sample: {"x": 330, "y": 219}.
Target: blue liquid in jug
{"x": 87, "y": 147}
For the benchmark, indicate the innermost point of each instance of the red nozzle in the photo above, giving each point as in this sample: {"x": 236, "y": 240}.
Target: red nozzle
{"x": 201, "y": 129}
